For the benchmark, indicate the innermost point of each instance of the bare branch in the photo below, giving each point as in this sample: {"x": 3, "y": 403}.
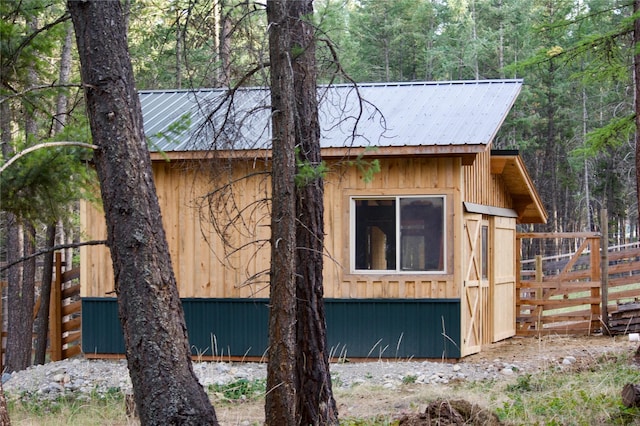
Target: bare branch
{"x": 44, "y": 145}
{"x": 11, "y": 58}
{"x": 54, "y": 248}
{"x": 41, "y": 87}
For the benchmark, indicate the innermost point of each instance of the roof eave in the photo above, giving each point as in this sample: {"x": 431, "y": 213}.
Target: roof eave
{"x": 525, "y": 197}
{"x": 466, "y": 152}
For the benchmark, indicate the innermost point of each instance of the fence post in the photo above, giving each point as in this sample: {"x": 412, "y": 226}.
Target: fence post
{"x": 604, "y": 266}
{"x": 518, "y": 268}
{"x": 539, "y": 292}
{"x": 55, "y": 313}
{"x": 596, "y": 276}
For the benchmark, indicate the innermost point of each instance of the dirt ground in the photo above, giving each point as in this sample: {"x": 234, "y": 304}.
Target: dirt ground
{"x": 547, "y": 348}
{"x": 410, "y": 400}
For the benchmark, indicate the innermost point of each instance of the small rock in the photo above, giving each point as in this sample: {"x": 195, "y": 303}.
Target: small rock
{"x": 241, "y": 375}
{"x": 568, "y": 360}
{"x": 62, "y": 378}
{"x": 223, "y": 368}
{"x": 507, "y": 371}
{"x": 54, "y": 387}
{"x": 5, "y": 377}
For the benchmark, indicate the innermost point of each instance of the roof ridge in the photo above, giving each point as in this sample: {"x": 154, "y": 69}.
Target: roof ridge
{"x": 340, "y": 85}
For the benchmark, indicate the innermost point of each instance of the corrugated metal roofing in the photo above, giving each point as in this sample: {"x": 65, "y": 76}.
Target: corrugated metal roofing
{"x": 454, "y": 113}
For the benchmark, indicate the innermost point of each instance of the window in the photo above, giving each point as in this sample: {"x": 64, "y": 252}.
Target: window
{"x": 398, "y": 234}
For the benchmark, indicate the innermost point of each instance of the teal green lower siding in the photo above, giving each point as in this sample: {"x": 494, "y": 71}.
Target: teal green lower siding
{"x": 356, "y": 328}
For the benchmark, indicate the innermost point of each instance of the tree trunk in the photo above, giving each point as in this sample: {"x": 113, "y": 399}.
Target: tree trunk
{"x": 636, "y": 80}
{"x": 60, "y": 118}
{"x": 13, "y": 241}
{"x": 41, "y": 325}
{"x": 166, "y": 390}
{"x": 15, "y": 308}
{"x": 21, "y": 289}
{"x": 20, "y": 299}
{"x": 20, "y": 328}
{"x": 5, "y": 140}
{"x": 28, "y": 291}
{"x": 4, "y": 412}
{"x": 223, "y": 35}
{"x": 280, "y": 402}
{"x": 180, "y": 33}
{"x": 315, "y": 402}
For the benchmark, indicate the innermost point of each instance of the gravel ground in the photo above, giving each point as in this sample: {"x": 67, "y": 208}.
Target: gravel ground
{"x": 96, "y": 376}
{"x": 507, "y": 359}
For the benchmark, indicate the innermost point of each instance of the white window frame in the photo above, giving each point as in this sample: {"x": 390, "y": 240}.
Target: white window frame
{"x": 398, "y": 270}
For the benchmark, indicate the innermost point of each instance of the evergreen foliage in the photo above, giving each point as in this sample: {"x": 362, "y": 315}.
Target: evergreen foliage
{"x": 41, "y": 186}
{"x": 575, "y": 58}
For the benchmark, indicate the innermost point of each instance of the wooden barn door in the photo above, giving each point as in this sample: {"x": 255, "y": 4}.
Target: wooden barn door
{"x": 472, "y": 300}
{"x": 503, "y": 278}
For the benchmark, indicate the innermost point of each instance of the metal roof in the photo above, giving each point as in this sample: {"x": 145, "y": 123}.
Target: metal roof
{"x": 452, "y": 114}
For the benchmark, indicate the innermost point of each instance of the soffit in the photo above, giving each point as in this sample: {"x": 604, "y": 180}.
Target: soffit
{"x": 525, "y": 197}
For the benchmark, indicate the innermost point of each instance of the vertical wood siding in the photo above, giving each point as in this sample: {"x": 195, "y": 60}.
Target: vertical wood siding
{"x": 205, "y": 267}
{"x": 482, "y": 187}
{"x": 503, "y": 277}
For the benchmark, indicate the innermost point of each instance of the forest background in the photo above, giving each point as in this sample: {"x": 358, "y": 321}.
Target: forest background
{"x": 573, "y": 123}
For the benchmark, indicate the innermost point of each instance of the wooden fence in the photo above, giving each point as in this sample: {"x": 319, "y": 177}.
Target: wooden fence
{"x": 571, "y": 293}
{"x": 65, "y": 317}
{"x": 574, "y": 293}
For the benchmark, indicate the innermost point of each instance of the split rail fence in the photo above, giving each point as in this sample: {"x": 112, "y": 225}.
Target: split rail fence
{"x": 582, "y": 292}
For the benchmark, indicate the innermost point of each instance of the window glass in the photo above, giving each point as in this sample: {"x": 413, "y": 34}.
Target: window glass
{"x": 399, "y": 234}
{"x": 375, "y": 234}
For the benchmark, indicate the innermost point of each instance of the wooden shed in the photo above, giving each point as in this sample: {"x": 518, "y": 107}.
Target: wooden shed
{"x": 420, "y": 254}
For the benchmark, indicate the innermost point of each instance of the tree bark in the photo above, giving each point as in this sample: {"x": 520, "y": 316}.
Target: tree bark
{"x": 14, "y": 361}
{"x": 20, "y": 299}
{"x": 224, "y": 45}
{"x": 636, "y": 80}
{"x": 21, "y": 291}
{"x": 4, "y": 412}
{"x": 5, "y": 140}
{"x": 60, "y": 118}
{"x": 315, "y": 402}
{"x": 165, "y": 387}
{"x": 280, "y": 402}
{"x": 13, "y": 241}
{"x": 41, "y": 324}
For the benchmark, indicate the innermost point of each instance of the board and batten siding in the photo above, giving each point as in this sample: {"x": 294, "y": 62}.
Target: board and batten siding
{"x": 503, "y": 278}
{"x": 207, "y": 268}
{"x": 483, "y": 187}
